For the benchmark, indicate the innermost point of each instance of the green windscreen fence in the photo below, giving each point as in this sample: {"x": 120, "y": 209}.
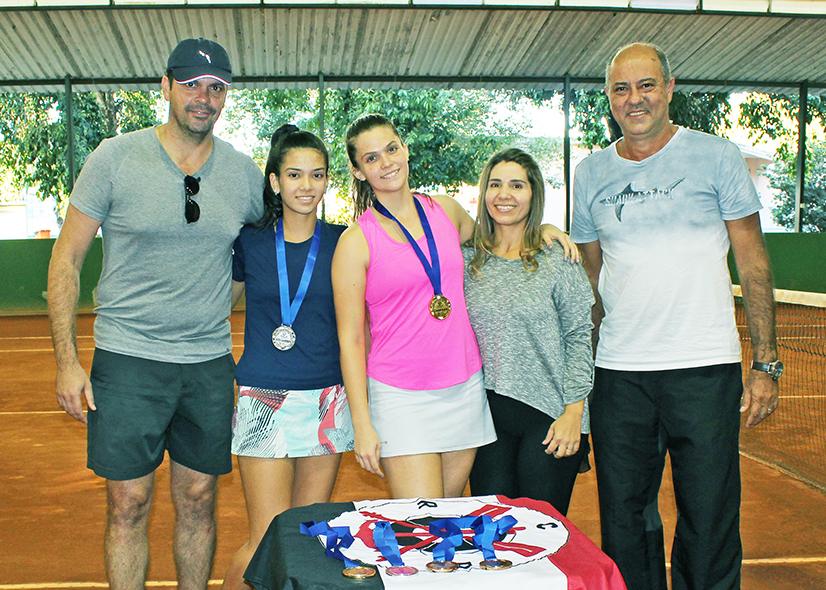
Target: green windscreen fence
{"x": 24, "y": 269}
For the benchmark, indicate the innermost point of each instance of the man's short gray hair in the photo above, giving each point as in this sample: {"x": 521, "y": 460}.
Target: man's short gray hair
{"x": 665, "y": 68}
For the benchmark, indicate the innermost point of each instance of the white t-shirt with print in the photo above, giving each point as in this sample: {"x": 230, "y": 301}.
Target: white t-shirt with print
{"x": 665, "y": 284}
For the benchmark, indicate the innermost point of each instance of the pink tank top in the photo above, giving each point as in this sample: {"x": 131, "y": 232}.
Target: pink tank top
{"x": 409, "y": 348}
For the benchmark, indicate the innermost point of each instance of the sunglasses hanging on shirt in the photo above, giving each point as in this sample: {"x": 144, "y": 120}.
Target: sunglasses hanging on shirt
{"x": 192, "y": 212}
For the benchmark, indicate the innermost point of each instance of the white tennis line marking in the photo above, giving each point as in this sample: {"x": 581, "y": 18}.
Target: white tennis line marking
{"x": 42, "y": 412}
{"x": 80, "y": 349}
{"x": 78, "y": 337}
{"x": 39, "y": 350}
{"x": 151, "y": 584}
{"x": 38, "y": 412}
{"x": 36, "y": 337}
{"x": 32, "y": 412}
{"x": 783, "y": 560}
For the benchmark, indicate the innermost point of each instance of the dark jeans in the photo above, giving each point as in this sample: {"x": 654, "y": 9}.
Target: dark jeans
{"x": 693, "y": 414}
{"x": 516, "y": 465}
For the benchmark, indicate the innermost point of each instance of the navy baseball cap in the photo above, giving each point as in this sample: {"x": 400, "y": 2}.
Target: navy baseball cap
{"x": 194, "y": 59}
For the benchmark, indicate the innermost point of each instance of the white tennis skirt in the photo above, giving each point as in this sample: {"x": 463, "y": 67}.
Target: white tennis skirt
{"x": 414, "y": 422}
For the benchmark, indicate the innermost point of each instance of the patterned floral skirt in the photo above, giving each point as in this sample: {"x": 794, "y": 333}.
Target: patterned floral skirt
{"x": 281, "y": 423}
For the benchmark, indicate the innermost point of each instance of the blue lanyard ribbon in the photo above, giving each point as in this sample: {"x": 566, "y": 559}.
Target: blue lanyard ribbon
{"x": 487, "y": 532}
{"x": 450, "y": 530}
{"x": 289, "y": 310}
{"x": 432, "y": 268}
{"x": 336, "y": 539}
{"x": 385, "y": 540}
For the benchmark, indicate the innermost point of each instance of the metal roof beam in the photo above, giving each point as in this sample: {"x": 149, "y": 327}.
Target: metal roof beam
{"x": 420, "y": 81}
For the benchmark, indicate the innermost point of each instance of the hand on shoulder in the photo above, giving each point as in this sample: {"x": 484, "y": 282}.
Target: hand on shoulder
{"x": 550, "y": 233}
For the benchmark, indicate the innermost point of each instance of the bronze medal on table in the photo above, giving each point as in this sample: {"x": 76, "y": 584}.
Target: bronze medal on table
{"x": 495, "y": 564}
{"x": 359, "y": 572}
{"x": 442, "y": 567}
{"x": 440, "y": 307}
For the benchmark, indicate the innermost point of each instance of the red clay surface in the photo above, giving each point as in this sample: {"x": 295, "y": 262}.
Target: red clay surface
{"x": 52, "y": 509}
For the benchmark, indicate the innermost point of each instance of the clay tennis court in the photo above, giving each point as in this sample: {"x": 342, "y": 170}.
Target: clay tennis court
{"x": 52, "y": 509}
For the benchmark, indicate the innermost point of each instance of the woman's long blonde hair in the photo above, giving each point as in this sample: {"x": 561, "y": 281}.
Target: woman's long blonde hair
{"x": 484, "y": 237}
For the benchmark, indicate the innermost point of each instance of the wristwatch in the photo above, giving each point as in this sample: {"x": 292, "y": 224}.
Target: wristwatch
{"x": 774, "y": 369}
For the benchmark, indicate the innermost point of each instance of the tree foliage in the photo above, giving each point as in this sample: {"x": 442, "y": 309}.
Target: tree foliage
{"x": 592, "y": 116}
{"x": 33, "y": 134}
{"x": 774, "y": 116}
{"x": 782, "y": 177}
{"x": 547, "y": 151}
{"x": 449, "y": 132}
{"x": 707, "y": 112}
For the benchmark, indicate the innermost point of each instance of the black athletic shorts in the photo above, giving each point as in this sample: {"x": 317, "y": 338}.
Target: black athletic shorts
{"x": 146, "y": 407}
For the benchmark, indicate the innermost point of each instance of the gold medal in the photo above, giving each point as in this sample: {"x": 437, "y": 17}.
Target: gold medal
{"x": 442, "y": 566}
{"x": 359, "y": 572}
{"x": 495, "y": 564}
{"x": 440, "y": 307}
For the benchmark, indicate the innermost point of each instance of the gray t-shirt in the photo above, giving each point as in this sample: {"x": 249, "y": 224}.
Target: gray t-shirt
{"x": 164, "y": 291}
{"x": 534, "y": 330}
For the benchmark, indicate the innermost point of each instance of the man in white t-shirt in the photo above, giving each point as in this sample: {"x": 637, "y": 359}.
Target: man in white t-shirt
{"x": 655, "y": 214}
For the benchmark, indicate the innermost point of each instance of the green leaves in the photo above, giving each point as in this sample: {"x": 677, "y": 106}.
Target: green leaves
{"x": 782, "y": 176}
{"x": 33, "y": 134}
{"x": 450, "y": 133}
{"x": 708, "y": 112}
{"x": 774, "y": 116}
{"x": 592, "y": 116}
{"x": 703, "y": 112}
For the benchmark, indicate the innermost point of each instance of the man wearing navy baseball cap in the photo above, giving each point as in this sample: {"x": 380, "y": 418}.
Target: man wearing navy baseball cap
{"x": 194, "y": 59}
{"x": 170, "y": 201}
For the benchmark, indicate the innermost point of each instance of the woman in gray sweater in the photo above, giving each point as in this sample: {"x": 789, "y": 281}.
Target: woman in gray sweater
{"x": 531, "y": 312}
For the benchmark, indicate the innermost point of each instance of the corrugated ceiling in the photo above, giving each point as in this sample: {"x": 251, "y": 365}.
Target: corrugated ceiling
{"x": 406, "y": 46}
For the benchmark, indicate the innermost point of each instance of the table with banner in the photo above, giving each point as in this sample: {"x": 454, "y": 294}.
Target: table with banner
{"x": 544, "y": 549}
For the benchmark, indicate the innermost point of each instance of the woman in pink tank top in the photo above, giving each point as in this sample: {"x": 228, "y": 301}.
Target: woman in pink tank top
{"x": 397, "y": 281}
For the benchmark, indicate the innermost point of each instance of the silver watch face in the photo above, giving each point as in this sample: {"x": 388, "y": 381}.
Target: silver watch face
{"x": 776, "y": 369}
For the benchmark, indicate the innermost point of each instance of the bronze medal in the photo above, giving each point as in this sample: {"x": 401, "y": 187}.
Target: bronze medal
{"x": 283, "y": 338}
{"x": 401, "y": 570}
{"x": 442, "y": 566}
{"x": 495, "y": 564}
{"x": 440, "y": 307}
{"x": 359, "y": 572}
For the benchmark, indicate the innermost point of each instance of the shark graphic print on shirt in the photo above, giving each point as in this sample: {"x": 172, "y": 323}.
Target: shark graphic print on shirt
{"x": 629, "y": 195}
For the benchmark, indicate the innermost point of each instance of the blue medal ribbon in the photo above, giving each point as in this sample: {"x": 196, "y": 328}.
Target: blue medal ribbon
{"x": 385, "y": 540}
{"x": 432, "y": 268}
{"x": 289, "y": 310}
{"x": 336, "y": 539}
{"x": 488, "y": 531}
{"x": 450, "y": 530}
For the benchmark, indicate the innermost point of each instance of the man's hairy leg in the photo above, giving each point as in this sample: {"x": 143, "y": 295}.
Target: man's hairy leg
{"x": 126, "y": 544}
{"x": 194, "y": 496}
